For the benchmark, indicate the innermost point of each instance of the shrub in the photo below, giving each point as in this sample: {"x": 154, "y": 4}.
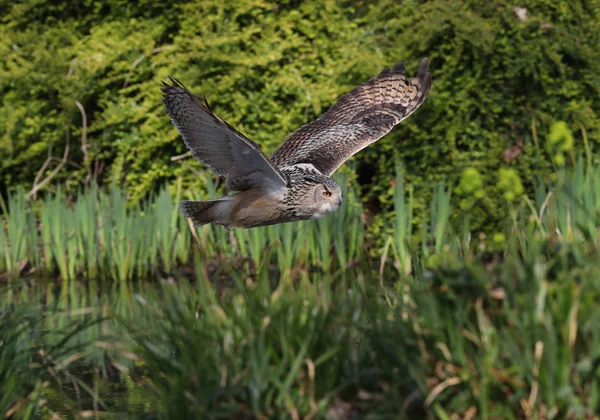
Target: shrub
{"x": 499, "y": 79}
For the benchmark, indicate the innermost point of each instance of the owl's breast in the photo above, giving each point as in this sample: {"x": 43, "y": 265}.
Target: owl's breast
{"x": 255, "y": 208}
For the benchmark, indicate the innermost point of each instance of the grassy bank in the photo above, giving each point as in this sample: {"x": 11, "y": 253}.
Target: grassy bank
{"x": 300, "y": 320}
{"x": 100, "y": 235}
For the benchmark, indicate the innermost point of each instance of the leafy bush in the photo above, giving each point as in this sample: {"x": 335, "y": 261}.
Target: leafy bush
{"x": 499, "y": 79}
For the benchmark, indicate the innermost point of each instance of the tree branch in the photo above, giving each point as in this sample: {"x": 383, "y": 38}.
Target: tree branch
{"x": 182, "y": 156}
{"x": 84, "y": 141}
{"x": 37, "y": 186}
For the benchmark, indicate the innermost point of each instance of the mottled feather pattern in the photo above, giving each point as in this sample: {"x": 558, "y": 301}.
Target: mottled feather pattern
{"x": 295, "y": 184}
{"x": 303, "y": 178}
{"x": 357, "y": 119}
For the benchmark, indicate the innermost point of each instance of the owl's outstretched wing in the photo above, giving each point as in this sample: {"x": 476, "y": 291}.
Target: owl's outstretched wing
{"x": 359, "y": 118}
{"x": 218, "y": 145}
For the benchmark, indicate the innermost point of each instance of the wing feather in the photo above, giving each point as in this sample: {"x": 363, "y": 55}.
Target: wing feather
{"x": 217, "y": 144}
{"x": 359, "y": 118}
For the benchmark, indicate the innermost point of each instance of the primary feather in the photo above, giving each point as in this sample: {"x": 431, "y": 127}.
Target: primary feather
{"x": 218, "y": 145}
{"x": 359, "y": 118}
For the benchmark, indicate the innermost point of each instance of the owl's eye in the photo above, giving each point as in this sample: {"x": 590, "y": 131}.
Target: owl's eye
{"x": 326, "y": 194}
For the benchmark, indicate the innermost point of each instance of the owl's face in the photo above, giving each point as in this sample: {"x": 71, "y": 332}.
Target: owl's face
{"x": 328, "y": 197}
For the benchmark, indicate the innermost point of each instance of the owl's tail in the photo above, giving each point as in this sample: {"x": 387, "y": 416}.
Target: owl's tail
{"x": 203, "y": 212}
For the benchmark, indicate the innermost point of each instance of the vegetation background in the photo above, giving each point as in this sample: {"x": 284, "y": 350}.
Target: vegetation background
{"x": 88, "y": 73}
{"x": 458, "y": 280}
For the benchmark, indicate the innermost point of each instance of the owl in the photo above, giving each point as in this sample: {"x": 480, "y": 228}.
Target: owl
{"x": 295, "y": 182}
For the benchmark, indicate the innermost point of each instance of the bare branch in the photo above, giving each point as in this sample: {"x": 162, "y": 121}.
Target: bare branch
{"x": 84, "y": 141}
{"x": 38, "y": 186}
{"x": 179, "y": 157}
{"x": 98, "y": 168}
{"x": 69, "y": 162}
{"x": 71, "y": 66}
{"x": 44, "y": 166}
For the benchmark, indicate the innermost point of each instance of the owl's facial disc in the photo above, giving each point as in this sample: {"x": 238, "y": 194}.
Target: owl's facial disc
{"x": 327, "y": 199}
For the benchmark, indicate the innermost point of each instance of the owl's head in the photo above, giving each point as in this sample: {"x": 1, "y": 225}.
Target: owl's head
{"x": 327, "y": 196}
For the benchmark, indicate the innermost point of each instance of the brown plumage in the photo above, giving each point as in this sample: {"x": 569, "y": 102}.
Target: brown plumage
{"x": 295, "y": 183}
{"x": 359, "y": 118}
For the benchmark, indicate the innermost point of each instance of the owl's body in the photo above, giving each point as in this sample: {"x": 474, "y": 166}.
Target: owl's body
{"x": 295, "y": 183}
{"x": 302, "y": 199}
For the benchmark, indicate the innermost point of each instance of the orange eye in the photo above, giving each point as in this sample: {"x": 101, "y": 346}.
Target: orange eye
{"x": 326, "y": 194}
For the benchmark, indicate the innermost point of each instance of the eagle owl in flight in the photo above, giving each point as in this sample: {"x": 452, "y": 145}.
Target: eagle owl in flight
{"x": 295, "y": 182}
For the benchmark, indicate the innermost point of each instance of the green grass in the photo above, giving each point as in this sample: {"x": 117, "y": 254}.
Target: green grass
{"x": 297, "y": 321}
{"x": 101, "y": 236}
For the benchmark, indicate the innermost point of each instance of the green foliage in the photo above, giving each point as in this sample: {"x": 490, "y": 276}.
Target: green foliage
{"x": 102, "y": 236}
{"x": 268, "y": 68}
{"x": 559, "y": 141}
{"x": 37, "y": 353}
{"x": 505, "y": 328}
{"x": 498, "y": 241}
{"x": 495, "y": 78}
{"x": 247, "y": 354}
{"x": 510, "y": 184}
{"x": 470, "y": 187}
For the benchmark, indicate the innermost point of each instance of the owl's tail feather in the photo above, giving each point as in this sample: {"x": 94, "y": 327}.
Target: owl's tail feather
{"x": 202, "y": 212}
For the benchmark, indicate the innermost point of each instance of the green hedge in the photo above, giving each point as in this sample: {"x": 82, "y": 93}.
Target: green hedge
{"x": 268, "y": 68}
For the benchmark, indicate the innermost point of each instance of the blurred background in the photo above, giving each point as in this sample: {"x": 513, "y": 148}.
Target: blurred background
{"x": 459, "y": 279}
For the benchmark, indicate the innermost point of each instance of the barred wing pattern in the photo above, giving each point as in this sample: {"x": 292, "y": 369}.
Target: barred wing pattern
{"x": 359, "y": 118}
{"x": 218, "y": 145}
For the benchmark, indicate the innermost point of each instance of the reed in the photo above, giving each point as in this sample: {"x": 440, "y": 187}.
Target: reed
{"x": 103, "y": 236}
{"x": 14, "y": 234}
{"x": 504, "y": 328}
{"x": 39, "y": 348}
